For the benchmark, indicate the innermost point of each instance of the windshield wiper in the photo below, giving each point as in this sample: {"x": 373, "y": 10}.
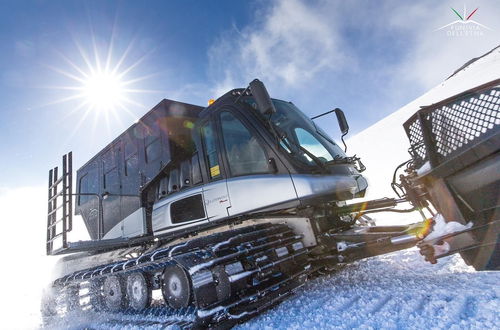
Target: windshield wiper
{"x": 314, "y": 158}
{"x": 354, "y": 160}
{"x": 282, "y": 138}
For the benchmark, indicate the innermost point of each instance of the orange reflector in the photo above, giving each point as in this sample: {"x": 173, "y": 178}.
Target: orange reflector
{"x": 211, "y": 101}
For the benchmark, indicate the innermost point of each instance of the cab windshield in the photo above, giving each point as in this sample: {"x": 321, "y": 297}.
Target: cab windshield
{"x": 297, "y": 132}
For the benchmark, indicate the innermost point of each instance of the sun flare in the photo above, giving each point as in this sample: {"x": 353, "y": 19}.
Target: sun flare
{"x": 103, "y": 84}
{"x": 103, "y": 91}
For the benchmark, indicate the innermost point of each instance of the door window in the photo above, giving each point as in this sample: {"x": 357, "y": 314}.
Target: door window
{"x": 244, "y": 152}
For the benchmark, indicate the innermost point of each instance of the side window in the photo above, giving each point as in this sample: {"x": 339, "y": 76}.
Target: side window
{"x": 212, "y": 159}
{"x": 244, "y": 153}
{"x": 152, "y": 144}
{"x": 131, "y": 161}
{"x": 187, "y": 209}
{"x": 111, "y": 179}
{"x": 88, "y": 184}
{"x": 84, "y": 189}
{"x": 153, "y": 151}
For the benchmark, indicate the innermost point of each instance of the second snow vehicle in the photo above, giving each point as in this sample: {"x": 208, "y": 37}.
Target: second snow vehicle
{"x": 224, "y": 209}
{"x": 455, "y": 166}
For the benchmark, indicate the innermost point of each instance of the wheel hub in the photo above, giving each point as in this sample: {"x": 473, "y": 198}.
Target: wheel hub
{"x": 176, "y": 287}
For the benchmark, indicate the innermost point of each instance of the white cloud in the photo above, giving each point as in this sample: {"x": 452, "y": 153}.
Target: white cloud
{"x": 434, "y": 55}
{"x": 374, "y": 56}
{"x": 291, "y": 44}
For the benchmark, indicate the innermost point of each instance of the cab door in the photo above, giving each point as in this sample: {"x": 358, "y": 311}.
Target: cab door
{"x": 256, "y": 180}
{"x": 215, "y": 194}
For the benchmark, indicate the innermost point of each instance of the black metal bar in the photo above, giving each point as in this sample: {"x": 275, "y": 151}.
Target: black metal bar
{"x": 426, "y": 127}
{"x": 56, "y": 182}
{"x": 49, "y": 209}
{"x": 54, "y": 204}
{"x": 369, "y": 205}
{"x": 65, "y": 197}
{"x": 323, "y": 114}
{"x": 55, "y": 196}
{"x": 70, "y": 190}
{"x": 100, "y": 226}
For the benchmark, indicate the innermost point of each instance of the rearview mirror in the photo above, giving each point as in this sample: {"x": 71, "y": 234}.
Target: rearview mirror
{"x": 262, "y": 98}
{"x": 344, "y": 126}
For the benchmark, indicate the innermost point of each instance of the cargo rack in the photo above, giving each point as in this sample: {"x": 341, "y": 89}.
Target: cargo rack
{"x": 457, "y": 131}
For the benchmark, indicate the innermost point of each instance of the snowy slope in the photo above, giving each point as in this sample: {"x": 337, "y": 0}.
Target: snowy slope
{"x": 384, "y": 145}
{"x": 395, "y": 291}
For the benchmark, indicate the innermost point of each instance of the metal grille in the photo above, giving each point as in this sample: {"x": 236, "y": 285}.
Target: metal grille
{"x": 443, "y": 129}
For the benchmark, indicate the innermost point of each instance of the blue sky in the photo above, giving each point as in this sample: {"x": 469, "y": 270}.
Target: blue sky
{"x": 367, "y": 57}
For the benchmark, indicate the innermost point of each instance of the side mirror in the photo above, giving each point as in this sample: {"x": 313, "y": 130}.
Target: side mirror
{"x": 344, "y": 126}
{"x": 262, "y": 98}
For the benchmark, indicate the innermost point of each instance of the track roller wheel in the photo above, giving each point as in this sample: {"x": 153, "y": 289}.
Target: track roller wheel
{"x": 114, "y": 293}
{"x": 138, "y": 291}
{"x": 176, "y": 287}
{"x": 95, "y": 294}
{"x": 72, "y": 298}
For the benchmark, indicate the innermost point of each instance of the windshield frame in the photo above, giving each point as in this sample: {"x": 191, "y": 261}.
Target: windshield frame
{"x": 283, "y": 125}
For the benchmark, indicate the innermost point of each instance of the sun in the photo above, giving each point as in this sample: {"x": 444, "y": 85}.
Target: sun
{"x": 103, "y": 90}
{"x": 103, "y": 83}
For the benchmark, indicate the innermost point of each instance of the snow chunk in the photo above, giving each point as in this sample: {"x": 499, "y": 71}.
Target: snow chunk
{"x": 441, "y": 227}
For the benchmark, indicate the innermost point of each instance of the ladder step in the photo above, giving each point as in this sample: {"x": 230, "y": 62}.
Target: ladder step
{"x": 55, "y": 210}
{"x": 55, "y": 183}
{"x": 55, "y": 196}
{"x": 55, "y": 237}
{"x": 52, "y": 224}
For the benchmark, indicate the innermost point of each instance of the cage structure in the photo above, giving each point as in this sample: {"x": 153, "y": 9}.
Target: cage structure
{"x": 463, "y": 128}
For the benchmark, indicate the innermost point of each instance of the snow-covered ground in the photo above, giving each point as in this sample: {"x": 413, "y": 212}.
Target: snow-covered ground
{"x": 395, "y": 291}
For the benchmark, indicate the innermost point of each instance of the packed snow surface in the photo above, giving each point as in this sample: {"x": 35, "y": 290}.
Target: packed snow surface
{"x": 395, "y": 291}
